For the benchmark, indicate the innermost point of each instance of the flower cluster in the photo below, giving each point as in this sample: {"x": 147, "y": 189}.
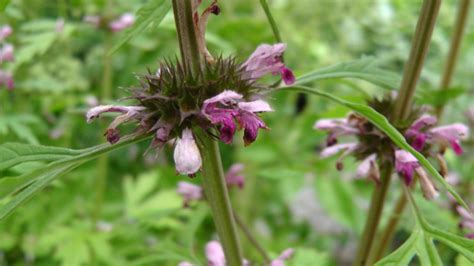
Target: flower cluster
{"x": 124, "y": 21}
{"x": 6, "y": 55}
{"x": 372, "y": 145}
{"x": 190, "y": 192}
{"x": 215, "y": 256}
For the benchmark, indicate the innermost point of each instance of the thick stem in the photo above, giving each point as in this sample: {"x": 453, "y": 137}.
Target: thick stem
{"x": 419, "y": 49}
{"x": 375, "y": 212}
{"x": 459, "y": 26}
{"x": 188, "y": 45}
{"x": 456, "y": 41}
{"x": 215, "y": 189}
{"x": 252, "y": 239}
{"x": 412, "y": 71}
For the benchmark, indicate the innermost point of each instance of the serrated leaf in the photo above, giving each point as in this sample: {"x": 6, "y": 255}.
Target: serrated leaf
{"x": 12, "y": 154}
{"x": 365, "y": 69}
{"x": 153, "y": 11}
{"x": 26, "y": 185}
{"x": 384, "y": 125}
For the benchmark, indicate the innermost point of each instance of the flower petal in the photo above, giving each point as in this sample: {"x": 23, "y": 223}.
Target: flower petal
{"x": 187, "y": 157}
{"x": 255, "y": 106}
{"x": 215, "y": 254}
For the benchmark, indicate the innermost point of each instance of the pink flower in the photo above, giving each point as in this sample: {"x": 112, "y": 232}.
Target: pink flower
{"x": 405, "y": 165}
{"x": 6, "y": 53}
{"x": 369, "y": 168}
{"x": 124, "y": 21}
{"x": 336, "y": 127}
{"x": 215, "y": 254}
{"x": 416, "y": 131}
{"x": 5, "y": 31}
{"x": 189, "y": 192}
{"x": 234, "y": 175}
{"x": 187, "y": 157}
{"x": 128, "y": 113}
{"x": 223, "y": 109}
{"x": 266, "y": 59}
{"x": 6, "y": 79}
{"x": 449, "y": 135}
{"x": 467, "y": 218}
{"x": 285, "y": 255}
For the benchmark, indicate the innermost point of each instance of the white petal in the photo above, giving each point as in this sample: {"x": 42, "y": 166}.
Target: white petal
{"x": 335, "y": 149}
{"x": 187, "y": 158}
{"x": 255, "y": 106}
{"x": 364, "y": 167}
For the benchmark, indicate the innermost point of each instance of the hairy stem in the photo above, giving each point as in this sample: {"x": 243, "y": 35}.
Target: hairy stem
{"x": 459, "y": 26}
{"x": 456, "y": 41}
{"x": 251, "y": 238}
{"x": 215, "y": 189}
{"x": 375, "y": 212}
{"x": 419, "y": 49}
{"x": 213, "y": 179}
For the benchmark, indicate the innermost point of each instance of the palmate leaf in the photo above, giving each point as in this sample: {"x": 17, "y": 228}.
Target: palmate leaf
{"x": 365, "y": 69}
{"x": 382, "y": 123}
{"x": 420, "y": 242}
{"x": 154, "y": 11}
{"x": 17, "y": 190}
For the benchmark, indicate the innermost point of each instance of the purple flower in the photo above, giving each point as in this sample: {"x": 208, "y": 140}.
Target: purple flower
{"x": 369, "y": 168}
{"x": 449, "y": 135}
{"x": 215, "y": 254}
{"x": 405, "y": 165}
{"x": 6, "y": 53}
{"x": 417, "y": 133}
{"x": 223, "y": 109}
{"x": 5, "y": 31}
{"x": 285, "y": 255}
{"x": 335, "y": 128}
{"x": 128, "y": 113}
{"x": 124, "y": 21}
{"x": 187, "y": 157}
{"x": 6, "y": 79}
{"x": 266, "y": 59}
{"x": 467, "y": 218}
{"x": 189, "y": 192}
{"x": 234, "y": 175}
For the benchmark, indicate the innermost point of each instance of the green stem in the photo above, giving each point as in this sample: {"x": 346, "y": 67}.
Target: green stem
{"x": 456, "y": 41}
{"x": 375, "y": 212}
{"x": 215, "y": 189}
{"x": 252, "y": 239}
{"x": 187, "y": 38}
{"x": 419, "y": 49}
{"x": 272, "y": 22}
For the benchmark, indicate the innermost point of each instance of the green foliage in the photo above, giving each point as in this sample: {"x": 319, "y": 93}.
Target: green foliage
{"x": 20, "y": 125}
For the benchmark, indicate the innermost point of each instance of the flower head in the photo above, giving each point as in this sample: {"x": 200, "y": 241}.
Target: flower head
{"x": 124, "y": 21}
{"x": 189, "y": 192}
{"x": 215, "y": 254}
{"x": 223, "y": 109}
{"x": 187, "y": 157}
{"x": 5, "y": 31}
{"x": 405, "y": 165}
{"x": 234, "y": 175}
{"x": 449, "y": 135}
{"x": 417, "y": 131}
{"x": 266, "y": 59}
{"x": 6, "y": 53}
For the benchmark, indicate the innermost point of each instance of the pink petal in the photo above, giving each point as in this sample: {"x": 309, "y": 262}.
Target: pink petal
{"x": 255, "y": 106}
{"x": 335, "y": 149}
{"x": 215, "y": 254}
{"x": 187, "y": 157}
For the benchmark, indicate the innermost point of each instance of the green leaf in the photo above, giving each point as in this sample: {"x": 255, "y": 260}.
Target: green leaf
{"x": 26, "y": 185}
{"x": 153, "y": 11}
{"x": 307, "y": 256}
{"x": 382, "y": 123}
{"x": 436, "y": 97}
{"x": 3, "y": 4}
{"x": 365, "y": 69}
{"x": 404, "y": 254}
{"x": 12, "y": 154}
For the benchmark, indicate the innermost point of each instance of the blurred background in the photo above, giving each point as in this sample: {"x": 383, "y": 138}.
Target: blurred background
{"x": 123, "y": 209}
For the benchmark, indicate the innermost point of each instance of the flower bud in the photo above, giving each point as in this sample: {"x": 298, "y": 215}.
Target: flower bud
{"x": 186, "y": 154}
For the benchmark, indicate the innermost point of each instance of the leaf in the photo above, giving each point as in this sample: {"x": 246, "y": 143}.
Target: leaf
{"x": 30, "y": 183}
{"x": 404, "y": 254}
{"x": 382, "y": 123}
{"x": 154, "y": 11}
{"x": 12, "y": 154}
{"x": 3, "y": 4}
{"x": 307, "y": 256}
{"x": 365, "y": 69}
{"x": 436, "y": 97}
